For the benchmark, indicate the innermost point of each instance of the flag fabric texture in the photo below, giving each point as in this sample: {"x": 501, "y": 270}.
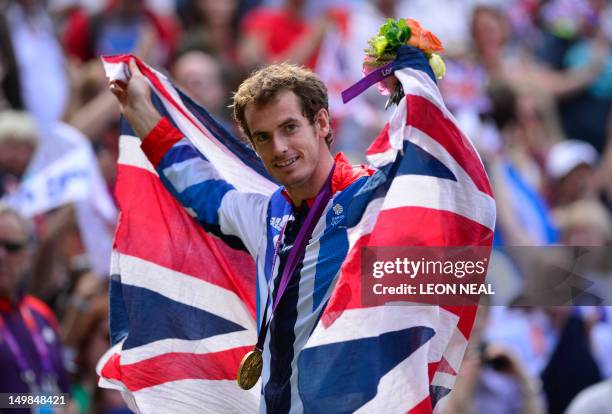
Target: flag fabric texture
{"x": 184, "y": 305}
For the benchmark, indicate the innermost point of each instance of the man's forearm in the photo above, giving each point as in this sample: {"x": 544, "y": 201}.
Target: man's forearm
{"x": 143, "y": 118}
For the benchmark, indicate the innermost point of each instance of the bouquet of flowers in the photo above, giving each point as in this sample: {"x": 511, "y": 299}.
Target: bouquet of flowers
{"x": 384, "y": 46}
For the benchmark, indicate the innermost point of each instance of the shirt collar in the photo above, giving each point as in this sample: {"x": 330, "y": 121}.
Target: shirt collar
{"x": 344, "y": 175}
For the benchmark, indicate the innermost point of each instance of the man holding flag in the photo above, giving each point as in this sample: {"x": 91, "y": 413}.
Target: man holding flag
{"x": 319, "y": 349}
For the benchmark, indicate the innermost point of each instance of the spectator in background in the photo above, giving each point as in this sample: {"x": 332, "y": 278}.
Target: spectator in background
{"x": 523, "y": 215}
{"x": 92, "y": 109}
{"x": 584, "y": 222}
{"x": 572, "y": 366}
{"x": 492, "y": 379}
{"x": 495, "y": 58}
{"x": 340, "y": 64}
{"x": 125, "y": 26}
{"x": 571, "y": 166}
{"x": 87, "y": 332}
{"x": 32, "y": 34}
{"x": 449, "y": 19}
{"x": 18, "y": 141}
{"x": 577, "y": 41}
{"x": 30, "y": 350}
{"x": 491, "y": 35}
{"x": 271, "y": 35}
{"x": 199, "y": 76}
{"x": 212, "y": 27}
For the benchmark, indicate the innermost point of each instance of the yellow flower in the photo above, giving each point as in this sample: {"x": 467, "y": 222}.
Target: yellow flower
{"x": 437, "y": 64}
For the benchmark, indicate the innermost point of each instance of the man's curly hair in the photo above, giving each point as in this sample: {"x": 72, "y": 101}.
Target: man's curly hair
{"x": 265, "y": 84}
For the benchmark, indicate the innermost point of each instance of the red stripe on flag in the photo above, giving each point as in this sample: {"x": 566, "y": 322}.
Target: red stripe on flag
{"x": 159, "y": 86}
{"x": 381, "y": 143}
{"x": 111, "y": 369}
{"x": 118, "y": 58}
{"x": 423, "y": 226}
{"x": 177, "y": 366}
{"x": 467, "y": 316}
{"x": 441, "y": 366}
{"x": 424, "y": 407}
{"x": 166, "y": 235}
{"x": 425, "y": 116}
{"x": 420, "y": 227}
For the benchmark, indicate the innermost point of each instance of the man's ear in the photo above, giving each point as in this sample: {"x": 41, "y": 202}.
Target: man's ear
{"x": 322, "y": 123}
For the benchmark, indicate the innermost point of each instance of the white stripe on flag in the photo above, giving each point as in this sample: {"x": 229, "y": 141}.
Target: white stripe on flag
{"x": 230, "y": 167}
{"x": 215, "y": 343}
{"x": 184, "y": 289}
{"x": 374, "y": 321}
{"x": 441, "y": 194}
{"x": 131, "y": 154}
{"x": 221, "y": 396}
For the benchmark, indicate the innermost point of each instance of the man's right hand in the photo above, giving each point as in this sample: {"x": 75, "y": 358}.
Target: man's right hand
{"x": 135, "y": 101}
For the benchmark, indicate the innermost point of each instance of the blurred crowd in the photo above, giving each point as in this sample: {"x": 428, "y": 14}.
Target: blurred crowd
{"x": 529, "y": 81}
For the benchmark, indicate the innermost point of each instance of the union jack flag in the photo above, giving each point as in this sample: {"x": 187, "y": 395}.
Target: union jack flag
{"x": 184, "y": 305}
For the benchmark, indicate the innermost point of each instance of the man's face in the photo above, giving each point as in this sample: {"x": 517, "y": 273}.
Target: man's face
{"x": 200, "y": 77}
{"x": 14, "y": 254}
{"x": 291, "y": 148}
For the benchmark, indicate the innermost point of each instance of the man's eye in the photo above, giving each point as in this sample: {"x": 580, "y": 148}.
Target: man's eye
{"x": 290, "y": 128}
{"x": 261, "y": 138}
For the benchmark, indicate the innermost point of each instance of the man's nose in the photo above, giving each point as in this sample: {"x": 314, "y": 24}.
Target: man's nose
{"x": 279, "y": 144}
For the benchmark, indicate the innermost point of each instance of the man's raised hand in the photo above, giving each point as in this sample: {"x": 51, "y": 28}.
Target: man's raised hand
{"x": 134, "y": 98}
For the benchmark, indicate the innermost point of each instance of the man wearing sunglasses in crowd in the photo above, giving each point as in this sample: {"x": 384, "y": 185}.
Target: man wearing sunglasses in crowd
{"x": 30, "y": 349}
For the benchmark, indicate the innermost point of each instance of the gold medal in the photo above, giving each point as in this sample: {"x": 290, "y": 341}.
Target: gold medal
{"x": 250, "y": 369}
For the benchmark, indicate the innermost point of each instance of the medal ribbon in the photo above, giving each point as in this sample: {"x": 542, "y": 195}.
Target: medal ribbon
{"x": 407, "y": 57}
{"x": 294, "y": 255}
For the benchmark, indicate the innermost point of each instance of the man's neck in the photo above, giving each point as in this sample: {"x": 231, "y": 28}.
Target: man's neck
{"x": 315, "y": 184}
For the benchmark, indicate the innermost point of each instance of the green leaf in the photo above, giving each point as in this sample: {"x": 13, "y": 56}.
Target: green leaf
{"x": 379, "y": 44}
{"x": 391, "y": 36}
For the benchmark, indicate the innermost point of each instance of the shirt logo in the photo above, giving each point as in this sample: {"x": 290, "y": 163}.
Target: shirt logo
{"x": 338, "y": 210}
{"x": 276, "y": 222}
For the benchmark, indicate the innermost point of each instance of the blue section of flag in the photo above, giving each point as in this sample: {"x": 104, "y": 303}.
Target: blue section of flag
{"x": 418, "y": 162}
{"x": 171, "y": 319}
{"x": 437, "y": 392}
{"x": 125, "y": 128}
{"x": 341, "y": 377}
{"x": 413, "y": 58}
{"x": 118, "y": 316}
